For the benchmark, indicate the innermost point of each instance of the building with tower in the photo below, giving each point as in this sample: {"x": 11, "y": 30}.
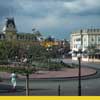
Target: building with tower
{"x": 9, "y": 29}
{"x": 9, "y": 32}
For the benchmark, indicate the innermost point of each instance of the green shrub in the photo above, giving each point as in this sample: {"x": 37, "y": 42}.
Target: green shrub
{"x": 4, "y": 62}
{"x": 51, "y": 65}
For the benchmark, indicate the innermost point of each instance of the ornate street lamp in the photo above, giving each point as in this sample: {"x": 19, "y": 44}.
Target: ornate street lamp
{"x": 79, "y": 56}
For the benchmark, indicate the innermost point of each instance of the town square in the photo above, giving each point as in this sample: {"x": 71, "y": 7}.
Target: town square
{"x": 49, "y": 48}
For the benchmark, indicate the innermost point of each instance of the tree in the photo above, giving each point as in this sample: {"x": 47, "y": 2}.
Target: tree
{"x": 8, "y": 50}
{"x": 36, "y": 52}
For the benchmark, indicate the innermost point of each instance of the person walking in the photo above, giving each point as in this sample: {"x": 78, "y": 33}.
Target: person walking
{"x": 13, "y": 80}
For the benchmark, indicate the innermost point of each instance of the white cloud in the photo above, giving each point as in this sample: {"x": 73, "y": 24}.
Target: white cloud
{"x": 34, "y": 5}
{"x": 25, "y": 5}
{"x": 77, "y": 6}
{"x": 47, "y": 22}
{"x": 54, "y": 17}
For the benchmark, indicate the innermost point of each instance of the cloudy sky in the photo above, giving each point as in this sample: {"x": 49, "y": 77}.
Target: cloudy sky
{"x": 52, "y": 17}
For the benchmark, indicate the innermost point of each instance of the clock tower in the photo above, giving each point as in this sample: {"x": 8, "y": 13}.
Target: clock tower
{"x": 10, "y": 29}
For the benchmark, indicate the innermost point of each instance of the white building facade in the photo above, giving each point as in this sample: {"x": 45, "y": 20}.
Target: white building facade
{"x": 85, "y": 38}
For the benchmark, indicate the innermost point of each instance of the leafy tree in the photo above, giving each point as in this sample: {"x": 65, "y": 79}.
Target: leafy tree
{"x": 8, "y": 50}
{"x": 36, "y": 52}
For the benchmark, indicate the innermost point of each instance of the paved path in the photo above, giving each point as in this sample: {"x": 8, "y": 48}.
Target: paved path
{"x": 67, "y": 73}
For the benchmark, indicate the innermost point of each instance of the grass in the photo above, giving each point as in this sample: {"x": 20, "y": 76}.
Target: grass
{"x": 51, "y": 65}
{"x": 40, "y": 65}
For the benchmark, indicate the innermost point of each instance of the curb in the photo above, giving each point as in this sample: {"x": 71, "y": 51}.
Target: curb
{"x": 55, "y": 78}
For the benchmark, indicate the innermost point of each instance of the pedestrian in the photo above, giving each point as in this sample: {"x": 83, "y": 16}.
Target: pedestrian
{"x": 13, "y": 80}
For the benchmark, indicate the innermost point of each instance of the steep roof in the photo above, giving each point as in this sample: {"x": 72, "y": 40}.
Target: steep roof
{"x": 10, "y": 21}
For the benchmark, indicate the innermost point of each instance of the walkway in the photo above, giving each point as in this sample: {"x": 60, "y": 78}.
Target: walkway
{"x": 65, "y": 73}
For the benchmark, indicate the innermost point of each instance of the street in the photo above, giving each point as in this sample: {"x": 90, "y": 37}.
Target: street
{"x": 68, "y": 87}
{"x": 89, "y": 87}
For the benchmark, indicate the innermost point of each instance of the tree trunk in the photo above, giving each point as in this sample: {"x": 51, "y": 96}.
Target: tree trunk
{"x": 27, "y": 84}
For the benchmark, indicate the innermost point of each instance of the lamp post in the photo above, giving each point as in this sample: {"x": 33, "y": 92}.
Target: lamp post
{"x": 16, "y": 58}
{"x": 59, "y": 90}
{"x": 27, "y": 77}
{"x": 79, "y": 73}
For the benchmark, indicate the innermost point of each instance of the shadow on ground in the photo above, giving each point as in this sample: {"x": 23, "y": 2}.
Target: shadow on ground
{"x": 4, "y": 88}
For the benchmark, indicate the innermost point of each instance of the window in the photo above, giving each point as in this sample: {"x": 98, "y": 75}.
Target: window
{"x": 78, "y": 39}
{"x": 97, "y": 30}
{"x": 84, "y": 39}
{"x": 99, "y": 39}
{"x": 92, "y": 39}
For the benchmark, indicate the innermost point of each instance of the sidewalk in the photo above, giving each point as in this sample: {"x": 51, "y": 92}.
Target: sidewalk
{"x": 66, "y": 73}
